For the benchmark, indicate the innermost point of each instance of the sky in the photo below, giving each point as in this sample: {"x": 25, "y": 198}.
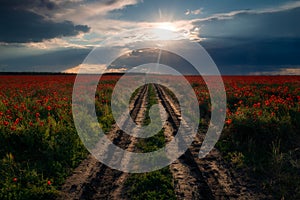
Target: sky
{"x": 242, "y": 37}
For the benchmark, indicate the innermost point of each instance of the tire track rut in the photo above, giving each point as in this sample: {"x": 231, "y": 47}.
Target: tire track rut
{"x": 207, "y": 178}
{"x": 94, "y": 180}
{"x": 194, "y": 178}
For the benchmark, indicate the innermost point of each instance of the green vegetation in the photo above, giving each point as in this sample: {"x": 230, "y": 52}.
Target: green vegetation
{"x": 262, "y": 134}
{"x": 152, "y": 185}
{"x": 38, "y": 140}
{"x": 157, "y": 184}
{"x": 39, "y": 145}
{"x": 103, "y": 108}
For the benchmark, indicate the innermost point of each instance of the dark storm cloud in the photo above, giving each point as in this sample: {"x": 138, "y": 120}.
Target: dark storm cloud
{"x": 19, "y": 25}
{"x": 27, "y": 4}
{"x": 252, "y": 42}
{"x": 145, "y": 56}
{"x": 48, "y": 62}
{"x": 264, "y": 52}
{"x": 254, "y": 25}
{"x": 236, "y": 57}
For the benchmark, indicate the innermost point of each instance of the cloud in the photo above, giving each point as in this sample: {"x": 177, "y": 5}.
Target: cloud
{"x": 55, "y": 43}
{"x": 241, "y": 38}
{"x": 55, "y": 61}
{"x": 277, "y": 21}
{"x": 89, "y": 12}
{"x": 43, "y": 21}
{"x": 85, "y": 68}
{"x": 281, "y": 24}
{"x": 281, "y": 71}
{"x": 93, "y": 69}
{"x": 235, "y": 24}
{"x": 271, "y": 52}
{"x": 129, "y": 31}
{"x": 19, "y": 25}
{"x": 193, "y": 12}
{"x": 230, "y": 15}
{"x": 251, "y": 41}
{"x": 28, "y": 4}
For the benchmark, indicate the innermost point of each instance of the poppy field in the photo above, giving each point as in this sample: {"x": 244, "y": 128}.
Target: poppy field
{"x": 39, "y": 145}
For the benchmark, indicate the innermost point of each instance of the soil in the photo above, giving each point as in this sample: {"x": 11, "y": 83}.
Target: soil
{"x": 193, "y": 178}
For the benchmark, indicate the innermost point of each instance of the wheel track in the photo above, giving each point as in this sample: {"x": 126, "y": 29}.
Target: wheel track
{"x": 208, "y": 178}
{"x": 188, "y": 180}
{"x": 94, "y": 180}
{"x": 212, "y": 175}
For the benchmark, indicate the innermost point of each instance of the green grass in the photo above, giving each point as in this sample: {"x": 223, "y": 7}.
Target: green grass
{"x": 38, "y": 140}
{"x": 157, "y": 184}
{"x": 265, "y": 139}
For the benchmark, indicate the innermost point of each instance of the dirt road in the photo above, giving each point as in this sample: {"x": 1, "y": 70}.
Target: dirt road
{"x": 193, "y": 178}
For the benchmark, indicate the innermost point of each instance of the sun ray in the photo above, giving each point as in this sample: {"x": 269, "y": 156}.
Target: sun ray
{"x": 166, "y": 25}
{"x": 165, "y": 31}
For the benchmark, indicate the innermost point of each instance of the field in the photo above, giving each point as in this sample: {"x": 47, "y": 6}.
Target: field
{"x": 40, "y": 148}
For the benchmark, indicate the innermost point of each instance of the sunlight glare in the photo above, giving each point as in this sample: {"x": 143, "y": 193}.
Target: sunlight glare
{"x": 165, "y": 31}
{"x": 166, "y": 25}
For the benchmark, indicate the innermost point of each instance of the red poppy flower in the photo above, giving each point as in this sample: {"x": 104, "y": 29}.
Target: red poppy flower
{"x": 37, "y": 115}
{"x": 228, "y": 121}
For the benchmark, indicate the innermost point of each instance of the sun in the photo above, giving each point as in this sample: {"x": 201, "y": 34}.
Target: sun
{"x": 166, "y": 25}
{"x": 165, "y": 31}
